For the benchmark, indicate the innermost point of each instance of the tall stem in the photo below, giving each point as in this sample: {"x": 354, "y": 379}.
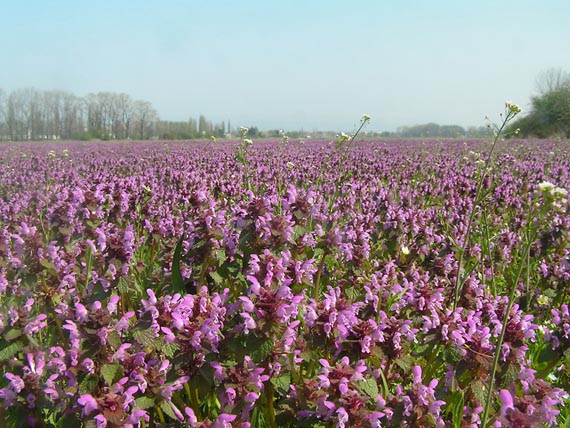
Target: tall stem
{"x": 490, "y": 388}
{"x": 511, "y": 302}
{"x": 269, "y": 392}
{"x": 459, "y": 280}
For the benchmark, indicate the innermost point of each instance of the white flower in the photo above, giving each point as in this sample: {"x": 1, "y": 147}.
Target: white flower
{"x": 512, "y": 108}
{"x": 290, "y": 165}
{"x": 405, "y": 250}
{"x": 343, "y": 137}
{"x": 559, "y": 193}
{"x": 546, "y": 186}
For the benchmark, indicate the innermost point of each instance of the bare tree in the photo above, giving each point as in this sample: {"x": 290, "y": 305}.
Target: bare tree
{"x": 100, "y": 114}
{"x": 73, "y": 122}
{"x": 106, "y": 102}
{"x": 124, "y": 107}
{"x": 3, "y": 126}
{"x": 32, "y": 114}
{"x": 20, "y": 114}
{"x": 144, "y": 117}
{"x": 552, "y": 80}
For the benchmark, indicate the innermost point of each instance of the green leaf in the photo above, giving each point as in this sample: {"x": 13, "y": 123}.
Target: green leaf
{"x": 369, "y": 387}
{"x": 88, "y": 384}
{"x": 167, "y": 409}
{"x": 13, "y": 334}
{"x": 169, "y": 349}
{"x": 318, "y": 252}
{"x": 147, "y": 339}
{"x": 298, "y": 231}
{"x": 405, "y": 362}
{"x": 145, "y": 321}
{"x": 221, "y": 255}
{"x": 114, "y": 339}
{"x": 452, "y": 355}
{"x": 216, "y": 277}
{"x": 111, "y": 373}
{"x": 282, "y": 383}
{"x": 260, "y": 348}
{"x": 455, "y": 403}
{"x": 393, "y": 298}
{"x": 69, "y": 421}
{"x": 233, "y": 268}
{"x": 177, "y": 280}
{"x": 6, "y": 352}
{"x": 97, "y": 293}
{"x": 547, "y": 355}
{"x": 123, "y": 285}
{"x": 352, "y": 294}
{"x": 311, "y": 423}
{"x": 47, "y": 264}
{"x": 144, "y": 402}
{"x": 509, "y": 375}
{"x": 258, "y": 418}
{"x": 479, "y": 390}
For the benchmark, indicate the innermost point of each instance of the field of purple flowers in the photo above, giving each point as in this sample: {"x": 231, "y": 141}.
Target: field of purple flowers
{"x": 284, "y": 285}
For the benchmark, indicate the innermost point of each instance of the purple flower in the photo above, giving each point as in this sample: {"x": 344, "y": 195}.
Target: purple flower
{"x": 16, "y": 382}
{"x": 342, "y": 418}
{"x": 224, "y": 421}
{"x": 88, "y": 403}
{"x": 191, "y": 418}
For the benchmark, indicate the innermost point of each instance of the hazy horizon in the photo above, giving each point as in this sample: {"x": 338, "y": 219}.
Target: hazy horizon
{"x": 296, "y": 65}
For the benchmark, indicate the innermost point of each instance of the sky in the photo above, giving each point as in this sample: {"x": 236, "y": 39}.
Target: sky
{"x": 291, "y": 64}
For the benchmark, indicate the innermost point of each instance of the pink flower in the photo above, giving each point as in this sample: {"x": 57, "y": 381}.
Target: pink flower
{"x": 506, "y": 401}
{"x": 88, "y": 403}
{"x": 224, "y": 421}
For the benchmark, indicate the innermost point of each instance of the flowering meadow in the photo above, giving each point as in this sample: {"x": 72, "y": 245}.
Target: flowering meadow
{"x": 285, "y": 284}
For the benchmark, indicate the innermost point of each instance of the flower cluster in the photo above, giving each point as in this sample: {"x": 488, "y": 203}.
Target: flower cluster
{"x": 293, "y": 285}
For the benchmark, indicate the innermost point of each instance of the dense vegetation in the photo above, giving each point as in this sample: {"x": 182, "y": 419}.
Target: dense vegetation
{"x": 284, "y": 284}
{"x": 549, "y": 116}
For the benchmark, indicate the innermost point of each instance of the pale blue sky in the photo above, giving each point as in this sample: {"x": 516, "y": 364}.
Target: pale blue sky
{"x": 291, "y": 64}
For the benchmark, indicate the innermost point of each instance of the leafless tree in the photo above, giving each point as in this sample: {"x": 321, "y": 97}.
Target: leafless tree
{"x": 72, "y": 122}
{"x": 144, "y": 117}
{"x": 124, "y": 107}
{"x": 34, "y": 114}
{"x": 552, "y": 80}
{"x": 3, "y": 126}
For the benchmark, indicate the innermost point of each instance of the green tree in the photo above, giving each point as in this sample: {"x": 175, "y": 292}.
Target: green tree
{"x": 549, "y": 115}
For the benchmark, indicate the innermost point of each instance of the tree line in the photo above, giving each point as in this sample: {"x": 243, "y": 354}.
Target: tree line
{"x": 433, "y": 130}
{"x": 32, "y": 114}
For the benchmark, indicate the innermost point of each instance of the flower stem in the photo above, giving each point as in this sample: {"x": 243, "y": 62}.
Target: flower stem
{"x": 269, "y": 392}
{"x": 459, "y": 280}
{"x": 501, "y": 338}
